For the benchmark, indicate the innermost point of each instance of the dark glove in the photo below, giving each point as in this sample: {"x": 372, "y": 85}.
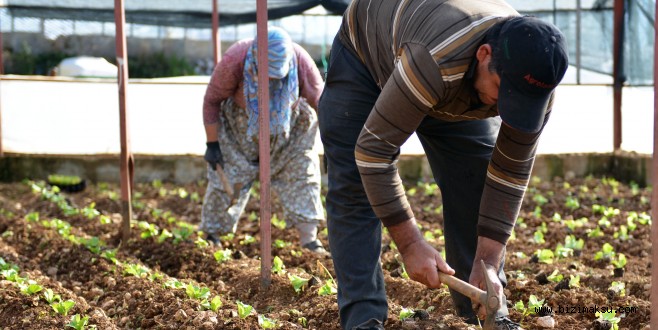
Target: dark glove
{"x": 214, "y": 155}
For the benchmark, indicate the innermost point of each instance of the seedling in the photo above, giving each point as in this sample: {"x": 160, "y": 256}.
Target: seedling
{"x": 51, "y": 297}
{"x": 198, "y": 293}
{"x": 30, "y": 287}
{"x": 607, "y": 252}
{"x": 540, "y": 199}
{"x": 556, "y": 217}
{"x": 571, "y": 242}
{"x": 183, "y": 232}
{"x": 164, "y": 235}
{"x": 223, "y": 255}
{"x": 63, "y": 308}
{"x": 244, "y": 310}
{"x": 430, "y": 188}
{"x": 620, "y": 262}
{"x": 213, "y": 304}
{"x": 32, "y": 217}
{"x": 329, "y": 286}
{"x": 609, "y": 317}
{"x": 90, "y": 211}
{"x": 147, "y": 229}
{"x": 266, "y": 323}
{"x": 572, "y": 203}
{"x": 533, "y": 305}
{"x": 574, "y": 281}
{"x": 617, "y": 289}
{"x": 622, "y": 233}
{"x": 539, "y": 237}
{"x": 545, "y": 256}
{"x": 277, "y": 265}
{"x": 248, "y": 239}
{"x": 77, "y": 322}
{"x": 174, "y": 284}
{"x": 555, "y": 277}
{"x": 278, "y": 223}
{"x": 596, "y": 232}
{"x": 280, "y": 244}
{"x": 406, "y": 313}
{"x": 297, "y": 282}
{"x": 136, "y": 270}
{"x": 201, "y": 243}
{"x": 562, "y": 251}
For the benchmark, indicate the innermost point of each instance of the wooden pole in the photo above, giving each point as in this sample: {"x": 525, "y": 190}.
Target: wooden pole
{"x": 654, "y": 183}
{"x": 617, "y": 70}
{"x": 264, "y": 144}
{"x": 216, "y": 38}
{"x": 126, "y": 161}
{"x": 2, "y": 71}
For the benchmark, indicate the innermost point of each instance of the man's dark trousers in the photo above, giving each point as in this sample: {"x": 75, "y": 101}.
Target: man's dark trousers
{"x": 458, "y": 153}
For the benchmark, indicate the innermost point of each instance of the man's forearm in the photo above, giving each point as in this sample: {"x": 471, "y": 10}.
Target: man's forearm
{"x": 405, "y": 234}
{"x": 489, "y": 250}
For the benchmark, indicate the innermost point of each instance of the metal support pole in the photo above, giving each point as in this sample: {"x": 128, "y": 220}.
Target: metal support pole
{"x": 216, "y": 39}
{"x": 578, "y": 39}
{"x": 654, "y": 183}
{"x": 126, "y": 162}
{"x": 618, "y": 68}
{"x": 264, "y": 145}
{"x": 2, "y": 71}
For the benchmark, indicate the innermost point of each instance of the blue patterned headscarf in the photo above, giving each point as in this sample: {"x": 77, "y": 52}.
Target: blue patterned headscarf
{"x": 283, "y": 82}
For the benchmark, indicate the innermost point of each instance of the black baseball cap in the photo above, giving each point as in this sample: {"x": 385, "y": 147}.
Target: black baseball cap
{"x": 532, "y": 61}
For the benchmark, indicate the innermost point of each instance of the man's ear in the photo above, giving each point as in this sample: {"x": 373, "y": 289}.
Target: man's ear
{"x": 483, "y": 51}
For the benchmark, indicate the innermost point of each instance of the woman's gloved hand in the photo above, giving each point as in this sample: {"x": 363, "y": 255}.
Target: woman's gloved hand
{"x": 214, "y": 155}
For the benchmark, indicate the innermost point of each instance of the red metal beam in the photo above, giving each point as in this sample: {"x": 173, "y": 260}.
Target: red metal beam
{"x": 264, "y": 145}
{"x": 126, "y": 162}
{"x": 216, "y": 39}
{"x": 617, "y": 70}
{"x": 654, "y": 180}
{"x": 2, "y": 71}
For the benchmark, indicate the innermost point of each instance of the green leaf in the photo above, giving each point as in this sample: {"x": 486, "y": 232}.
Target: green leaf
{"x": 297, "y": 282}
{"x": 78, "y": 322}
{"x": 63, "y": 307}
{"x": 406, "y": 313}
{"x": 244, "y": 310}
{"x": 266, "y": 323}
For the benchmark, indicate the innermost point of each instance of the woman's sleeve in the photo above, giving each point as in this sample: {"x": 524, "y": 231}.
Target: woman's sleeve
{"x": 224, "y": 81}
{"x": 310, "y": 80}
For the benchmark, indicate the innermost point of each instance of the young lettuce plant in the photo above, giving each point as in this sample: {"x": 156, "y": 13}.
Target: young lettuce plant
{"x": 78, "y": 322}
{"x": 329, "y": 286}
{"x": 63, "y": 307}
{"x": 213, "y": 304}
{"x": 266, "y": 322}
{"x": 277, "y": 266}
{"x": 244, "y": 310}
{"x": 533, "y": 305}
{"x": 406, "y": 313}
{"x": 607, "y": 252}
{"x": 51, "y": 297}
{"x": 297, "y": 282}
{"x": 610, "y": 317}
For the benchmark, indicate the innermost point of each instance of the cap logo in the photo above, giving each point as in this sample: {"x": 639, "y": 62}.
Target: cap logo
{"x": 532, "y": 81}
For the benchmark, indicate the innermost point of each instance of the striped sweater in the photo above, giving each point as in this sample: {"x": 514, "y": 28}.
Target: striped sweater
{"x": 421, "y": 53}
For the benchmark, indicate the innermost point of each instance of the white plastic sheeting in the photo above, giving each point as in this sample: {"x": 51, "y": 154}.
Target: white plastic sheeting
{"x": 82, "y": 117}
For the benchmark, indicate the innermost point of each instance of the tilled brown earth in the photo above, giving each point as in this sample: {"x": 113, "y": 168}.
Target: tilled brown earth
{"x": 166, "y": 275}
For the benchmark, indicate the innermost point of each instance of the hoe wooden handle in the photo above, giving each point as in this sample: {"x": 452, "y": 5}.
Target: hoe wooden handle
{"x": 224, "y": 179}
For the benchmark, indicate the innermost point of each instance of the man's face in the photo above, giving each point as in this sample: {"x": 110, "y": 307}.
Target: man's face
{"x": 486, "y": 82}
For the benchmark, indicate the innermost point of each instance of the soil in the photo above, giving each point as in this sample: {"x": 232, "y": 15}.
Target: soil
{"x": 58, "y": 258}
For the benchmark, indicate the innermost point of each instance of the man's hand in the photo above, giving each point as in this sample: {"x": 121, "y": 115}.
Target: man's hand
{"x": 491, "y": 252}
{"x": 214, "y": 155}
{"x": 420, "y": 259}
{"x": 422, "y": 262}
